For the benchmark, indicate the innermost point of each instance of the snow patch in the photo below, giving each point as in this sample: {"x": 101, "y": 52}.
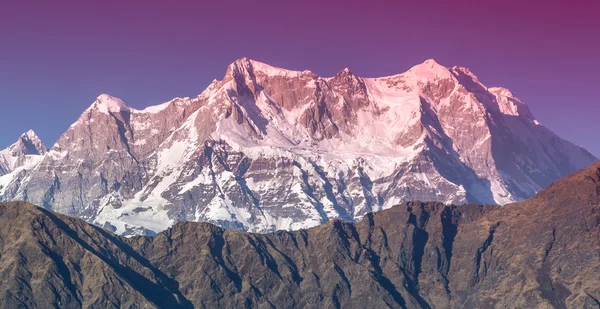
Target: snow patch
{"x": 109, "y": 104}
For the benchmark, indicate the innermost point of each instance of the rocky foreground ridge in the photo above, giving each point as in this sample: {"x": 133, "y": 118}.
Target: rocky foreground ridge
{"x": 543, "y": 252}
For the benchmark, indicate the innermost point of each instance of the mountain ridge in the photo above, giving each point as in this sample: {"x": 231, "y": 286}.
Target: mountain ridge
{"x": 413, "y": 255}
{"x": 267, "y": 148}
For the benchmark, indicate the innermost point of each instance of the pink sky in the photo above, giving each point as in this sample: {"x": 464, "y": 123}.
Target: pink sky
{"x": 56, "y": 57}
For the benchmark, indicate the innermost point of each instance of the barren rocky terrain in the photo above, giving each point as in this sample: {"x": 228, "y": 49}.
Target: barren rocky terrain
{"x": 543, "y": 252}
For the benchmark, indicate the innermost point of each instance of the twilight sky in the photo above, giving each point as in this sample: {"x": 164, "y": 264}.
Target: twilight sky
{"x": 56, "y": 57}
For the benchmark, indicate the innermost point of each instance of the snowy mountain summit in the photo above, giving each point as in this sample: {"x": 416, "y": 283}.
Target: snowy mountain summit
{"x": 19, "y": 157}
{"x": 267, "y": 148}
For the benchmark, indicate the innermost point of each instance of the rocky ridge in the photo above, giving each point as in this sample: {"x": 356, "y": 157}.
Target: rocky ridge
{"x": 266, "y": 149}
{"x": 543, "y": 252}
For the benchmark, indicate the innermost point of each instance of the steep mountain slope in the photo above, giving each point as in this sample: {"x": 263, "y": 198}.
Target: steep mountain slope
{"x": 539, "y": 253}
{"x": 54, "y": 261}
{"x": 267, "y": 148}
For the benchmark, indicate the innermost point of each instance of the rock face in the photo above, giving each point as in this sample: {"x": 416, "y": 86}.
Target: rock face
{"x": 266, "y": 149}
{"x": 539, "y": 253}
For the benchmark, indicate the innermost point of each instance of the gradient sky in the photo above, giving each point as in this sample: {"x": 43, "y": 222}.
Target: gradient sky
{"x": 56, "y": 57}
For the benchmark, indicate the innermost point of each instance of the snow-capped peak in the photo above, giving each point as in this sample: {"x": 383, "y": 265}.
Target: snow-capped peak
{"x": 267, "y": 148}
{"x": 430, "y": 69}
{"x": 431, "y": 62}
{"x": 30, "y": 134}
{"x": 108, "y": 104}
{"x": 28, "y": 144}
{"x": 245, "y": 66}
{"x": 503, "y": 91}
{"x": 25, "y": 152}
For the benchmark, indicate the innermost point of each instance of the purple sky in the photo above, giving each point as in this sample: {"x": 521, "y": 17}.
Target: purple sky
{"x": 56, "y": 57}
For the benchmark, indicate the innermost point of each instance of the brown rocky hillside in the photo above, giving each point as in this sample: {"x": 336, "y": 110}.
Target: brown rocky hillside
{"x": 539, "y": 253}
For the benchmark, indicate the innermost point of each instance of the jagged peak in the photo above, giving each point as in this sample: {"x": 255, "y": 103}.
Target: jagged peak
{"x": 240, "y": 67}
{"x": 243, "y": 62}
{"x": 28, "y": 144}
{"x": 106, "y": 103}
{"x": 347, "y": 76}
{"x": 30, "y": 134}
{"x": 245, "y": 66}
{"x": 464, "y": 71}
{"x": 345, "y": 72}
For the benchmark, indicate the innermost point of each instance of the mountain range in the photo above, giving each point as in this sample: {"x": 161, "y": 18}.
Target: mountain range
{"x": 266, "y": 149}
{"x": 543, "y": 252}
